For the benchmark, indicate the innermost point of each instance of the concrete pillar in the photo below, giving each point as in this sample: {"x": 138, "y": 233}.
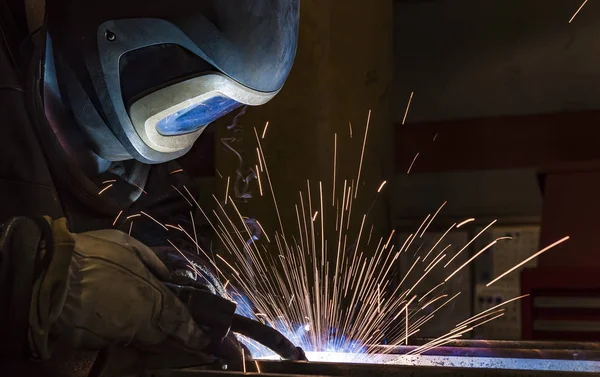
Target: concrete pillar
{"x": 343, "y": 69}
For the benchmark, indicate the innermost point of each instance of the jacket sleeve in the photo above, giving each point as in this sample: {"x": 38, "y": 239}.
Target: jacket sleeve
{"x": 26, "y": 186}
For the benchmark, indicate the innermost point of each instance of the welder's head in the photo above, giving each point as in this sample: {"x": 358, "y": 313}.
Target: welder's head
{"x": 144, "y": 78}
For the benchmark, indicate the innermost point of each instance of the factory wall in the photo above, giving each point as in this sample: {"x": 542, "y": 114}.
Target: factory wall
{"x": 472, "y": 59}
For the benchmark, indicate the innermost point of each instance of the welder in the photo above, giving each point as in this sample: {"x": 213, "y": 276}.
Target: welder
{"x": 98, "y": 99}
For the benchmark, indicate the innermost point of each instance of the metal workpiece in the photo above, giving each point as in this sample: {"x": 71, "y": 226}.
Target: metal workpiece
{"x": 502, "y": 348}
{"x": 469, "y": 359}
{"x": 274, "y": 368}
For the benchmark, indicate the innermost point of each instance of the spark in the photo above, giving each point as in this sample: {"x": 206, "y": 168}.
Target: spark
{"x": 370, "y": 234}
{"x": 173, "y": 227}
{"x": 471, "y": 259}
{"x": 117, "y": 218}
{"x": 412, "y": 163}
{"x": 263, "y": 231}
{"x": 183, "y": 196}
{"x": 219, "y": 173}
{"x": 300, "y": 291}
{"x": 244, "y": 359}
{"x": 470, "y": 242}
{"x": 195, "y": 234}
{"x": 109, "y": 181}
{"x": 438, "y": 242}
{"x": 265, "y": 130}
{"x": 269, "y": 179}
{"x": 479, "y": 316}
{"x": 226, "y": 284}
{"x": 407, "y": 107}
{"x": 153, "y": 219}
{"x": 104, "y": 189}
{"x": 186, "y": 258}
{"x": 434, "y": 300}
{"x": 432, "y": 289}
{"x": 227, "y": 263}
{"x": 176, "y": 171}
{"x": 362, "y": 154}
{"x": 259, "y": 160}
{"x": 350, "y": 126}
{"x": 389, "y": 239}
{"x": 435, "y": 137}
{"x": 257, "y": 367}
{"x": 582, "y": 5}
{"x": 259, "y": 181}
{"x": 227, "y": 190}
{"x": 475, "y": 317}
{"x": 432, "y": 218}
{"x": 528, "y": 259}
{"x": 334, "y": 166}
{"x": 140, "y": 188}
{"x": 133, "y": 216}
{"x": 465, "y": 222}
{"x": 130, "y": 227}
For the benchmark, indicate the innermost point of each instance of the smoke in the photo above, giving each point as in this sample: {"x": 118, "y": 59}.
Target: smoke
{"x": 243, "y": 175}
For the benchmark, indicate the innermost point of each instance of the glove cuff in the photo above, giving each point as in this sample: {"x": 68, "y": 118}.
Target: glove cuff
{"x": 19, "y": 260}
{"x": 51, "y": 286}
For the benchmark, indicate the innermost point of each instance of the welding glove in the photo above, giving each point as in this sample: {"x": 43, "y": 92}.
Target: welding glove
{"x": 102, "y": 288}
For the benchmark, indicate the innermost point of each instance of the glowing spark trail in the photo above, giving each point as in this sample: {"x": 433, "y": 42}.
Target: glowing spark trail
{"x": 176, "y": 171}
{"x": 438, "y": 242}
{"x": 472, "y": 259}
{"x": 477, "y": 316}
{"x": 407, "y": 108}
{"x": 183, "y": 196}
{"x": 227, "y": 190}
{"x": 465, "y": 222}
{"x": 362, "y": 154}
{"x": 432, "y": 218}
{"x": 104, "y": 189}
{"x": 582, "y": 5}
{"x": 412, "y": 164}
{"x": 140, "y": 188}
{"x": 528, "y": 259}
{"x": 153, "y": 219}
{"x": 109, "y": 181}
{"x": 335, "y": 291}
{"x": 260, "y": 189}
{"x": 334, "y": 167}
{"x": 265, "y": 130}
{"x": 470, "y": 242}
{"x": 117, "y": 218}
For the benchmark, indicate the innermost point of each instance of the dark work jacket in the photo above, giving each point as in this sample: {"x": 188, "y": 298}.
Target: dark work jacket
{"x": 37, "y": 177}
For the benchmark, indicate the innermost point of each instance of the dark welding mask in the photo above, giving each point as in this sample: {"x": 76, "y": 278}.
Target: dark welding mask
{"x": 143, "y": 79}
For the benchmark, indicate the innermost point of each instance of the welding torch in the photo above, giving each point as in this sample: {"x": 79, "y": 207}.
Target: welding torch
{"x": 220, "y": 318}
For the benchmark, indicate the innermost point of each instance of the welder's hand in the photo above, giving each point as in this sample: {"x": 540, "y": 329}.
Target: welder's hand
{"x": 113, "y": 295}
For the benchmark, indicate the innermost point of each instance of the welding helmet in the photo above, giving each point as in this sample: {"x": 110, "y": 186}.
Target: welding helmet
{"x": 143, "y": 79}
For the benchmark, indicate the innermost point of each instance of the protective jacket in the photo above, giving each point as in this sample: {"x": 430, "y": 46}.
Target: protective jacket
{"x": 37, "y": 176}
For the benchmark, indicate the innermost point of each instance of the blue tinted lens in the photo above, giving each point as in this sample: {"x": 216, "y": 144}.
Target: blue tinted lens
{"x": 196, "y": 117}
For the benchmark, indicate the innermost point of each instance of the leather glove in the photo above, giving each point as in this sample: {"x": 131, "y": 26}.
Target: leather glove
{"x": 104, "y": 287}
